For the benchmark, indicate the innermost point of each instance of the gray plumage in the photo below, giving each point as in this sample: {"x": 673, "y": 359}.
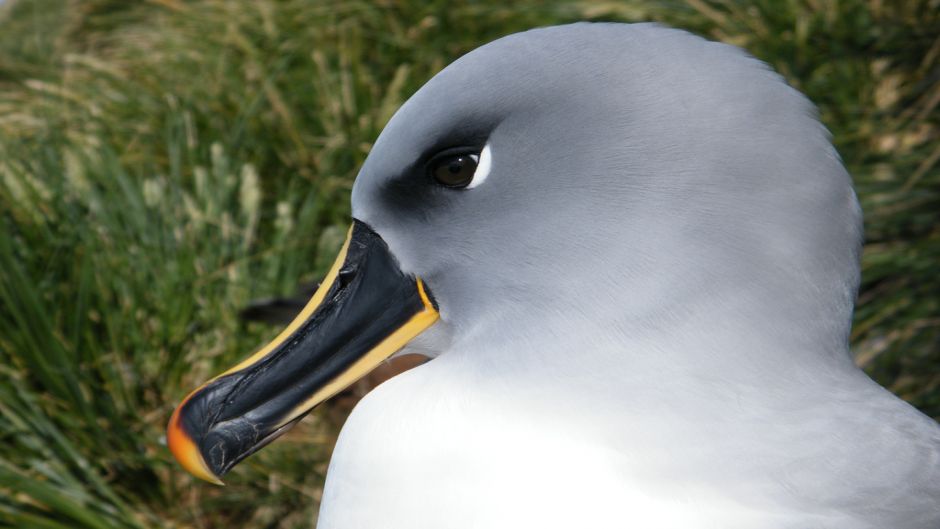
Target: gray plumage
{"x": 645, "y": 307}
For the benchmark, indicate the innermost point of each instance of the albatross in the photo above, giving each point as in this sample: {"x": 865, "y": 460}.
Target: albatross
{"x": 632, "y": 256}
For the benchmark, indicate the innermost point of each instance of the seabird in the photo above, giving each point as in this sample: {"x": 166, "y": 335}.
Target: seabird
{"x": 632, "y": 255}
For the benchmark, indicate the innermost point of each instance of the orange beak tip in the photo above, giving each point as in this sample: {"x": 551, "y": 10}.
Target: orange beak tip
{"x": 186, "y": 452}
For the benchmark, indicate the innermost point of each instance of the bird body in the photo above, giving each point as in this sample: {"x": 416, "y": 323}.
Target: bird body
{"x": 445, "y": 445}
{"x": 632, "y": 255}
{"x": 680, "y": 359}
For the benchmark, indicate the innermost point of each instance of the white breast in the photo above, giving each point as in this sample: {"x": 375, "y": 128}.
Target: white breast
{"x": 423, "y": 451}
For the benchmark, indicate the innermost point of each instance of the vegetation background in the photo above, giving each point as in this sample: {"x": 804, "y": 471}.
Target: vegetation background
{"x": 163, "y": 162}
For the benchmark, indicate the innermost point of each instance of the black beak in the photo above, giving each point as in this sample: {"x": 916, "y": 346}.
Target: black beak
{"x": 365, "y": 310}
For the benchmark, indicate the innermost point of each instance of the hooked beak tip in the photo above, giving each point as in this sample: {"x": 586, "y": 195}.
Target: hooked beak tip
{"x": 186, "y": 451}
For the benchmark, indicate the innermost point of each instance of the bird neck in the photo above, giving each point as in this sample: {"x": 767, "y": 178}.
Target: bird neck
{"x": 739, "y": 337}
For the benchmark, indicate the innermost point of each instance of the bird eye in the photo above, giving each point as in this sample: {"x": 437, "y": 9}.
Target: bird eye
{"x": 454, "y": 170}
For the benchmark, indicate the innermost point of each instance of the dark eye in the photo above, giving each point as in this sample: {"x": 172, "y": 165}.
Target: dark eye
{"x": 454, "y": 170}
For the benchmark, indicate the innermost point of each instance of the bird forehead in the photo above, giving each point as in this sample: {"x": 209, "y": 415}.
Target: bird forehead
{"x": 570, "y": 73}
{"x": 589, "y": 97}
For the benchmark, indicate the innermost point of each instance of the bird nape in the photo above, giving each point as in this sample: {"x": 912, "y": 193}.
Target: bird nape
{"x": 632, "y": 255}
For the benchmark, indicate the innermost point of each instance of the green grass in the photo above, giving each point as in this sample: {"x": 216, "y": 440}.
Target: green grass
{"x": 162, "y": 163}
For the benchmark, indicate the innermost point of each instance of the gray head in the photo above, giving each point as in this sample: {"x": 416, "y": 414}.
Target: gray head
{"x": 643, "y": 181}
{"x": 648, "y": 208}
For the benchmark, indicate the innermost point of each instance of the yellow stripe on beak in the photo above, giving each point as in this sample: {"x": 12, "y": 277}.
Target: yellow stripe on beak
{"x": 365, "y": 310}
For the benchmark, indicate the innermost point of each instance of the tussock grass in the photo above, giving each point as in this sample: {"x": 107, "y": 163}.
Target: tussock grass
{"x": 162, "y": 163}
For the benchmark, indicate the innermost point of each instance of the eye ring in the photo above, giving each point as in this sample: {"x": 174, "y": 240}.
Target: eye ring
{"x": 454, "y": 168}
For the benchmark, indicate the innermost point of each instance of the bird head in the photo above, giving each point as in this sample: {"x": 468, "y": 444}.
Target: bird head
{"x": 589, "y": 182}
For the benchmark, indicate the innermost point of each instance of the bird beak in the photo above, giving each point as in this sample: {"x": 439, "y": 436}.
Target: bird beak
{"x": 365, "y": 310}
